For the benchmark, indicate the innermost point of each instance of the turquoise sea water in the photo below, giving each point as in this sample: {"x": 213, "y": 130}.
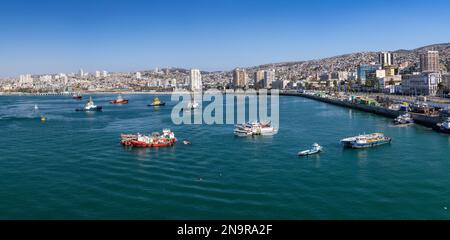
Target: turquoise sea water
{"x": 73, "y": 167}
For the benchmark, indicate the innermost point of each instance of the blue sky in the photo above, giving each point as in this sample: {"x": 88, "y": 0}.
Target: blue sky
{"x": 50, "y": 36}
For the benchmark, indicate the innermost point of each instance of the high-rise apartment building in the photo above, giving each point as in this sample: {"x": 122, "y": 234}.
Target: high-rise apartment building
{"x": 429, "y": 61}
{"x": 386, "y": 59}
{"x": 195, "y": 83}
{"x": 239, "y": 78}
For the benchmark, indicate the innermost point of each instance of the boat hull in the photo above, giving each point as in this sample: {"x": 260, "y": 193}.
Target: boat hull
{"x": 156, "y": 105}
{"x": 369, "y": 145}
{"x": 308, "y": 153}
{"x": 97, "y": 109}
{"x": 119, "y": 102}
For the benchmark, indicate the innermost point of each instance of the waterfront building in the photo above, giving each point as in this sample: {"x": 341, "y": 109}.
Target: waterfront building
{"x": 239, "y": 78}
{"x": 429, "y": 61}
{"x": 421, "y": 84}
{"x": 388, "y": 83}
{"x": 280, "y": 84}
{"x": 258, "y": 78}
{"x": 195, "y": 80}
{"x": 366, "y": 71}
{"x": 269, "y": 78}
{"x": 386, "y": 59}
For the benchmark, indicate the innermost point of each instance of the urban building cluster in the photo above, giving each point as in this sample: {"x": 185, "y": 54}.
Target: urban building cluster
{"x": 412, "y": 74}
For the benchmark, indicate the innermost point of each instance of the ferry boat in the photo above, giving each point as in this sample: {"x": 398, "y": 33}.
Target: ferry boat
{"x": 89, "y": 107}
{"x": 444, "y": 126}
{"x": 404, "y": 119}
{"x": 366, "y": 141}
{"x": 254, "y": 128}
{"x": 119, "y": 100}
{"x": 77, "y": 96}
{"x": 166, "y": 139}
{"x": 156, "y": 102}
{"x": 316, "y": 148}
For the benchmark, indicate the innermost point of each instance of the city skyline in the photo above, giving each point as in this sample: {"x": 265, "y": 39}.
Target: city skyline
{"x": 125, "y": 37}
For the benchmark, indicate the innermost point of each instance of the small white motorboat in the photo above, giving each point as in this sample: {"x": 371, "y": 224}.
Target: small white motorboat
{"x": 316, "y": 148}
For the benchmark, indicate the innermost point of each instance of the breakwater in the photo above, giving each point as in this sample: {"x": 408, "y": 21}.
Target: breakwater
{"x": 423, "y": 119}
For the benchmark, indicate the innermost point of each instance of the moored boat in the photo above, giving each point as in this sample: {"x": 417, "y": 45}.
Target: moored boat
{"x": 156, "y": 102}
{"x": 119, "y": 100}
{"x": 316, "y": 148}
{"x": 366, "y": 141}
{"x": 166, "y": 139}
{"x": 444, "y": 127}
{"x": 89, "y": 107}
{"x": 404, "y": 119}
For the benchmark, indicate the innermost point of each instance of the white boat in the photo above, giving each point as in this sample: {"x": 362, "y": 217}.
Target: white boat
{"x": 444, "y": 126}
{"x": 192, "y": 105}
{"x": 90, "y": 106}
{"x": 316, "y": 148}
{"x": 255, "y": 128}
{"x": 404, "y": 119}
{"x": 36, "y": 107}
{"x": 366, "y": 141}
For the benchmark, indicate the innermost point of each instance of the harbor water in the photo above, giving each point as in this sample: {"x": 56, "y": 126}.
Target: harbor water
{"x": 72, "y": 166}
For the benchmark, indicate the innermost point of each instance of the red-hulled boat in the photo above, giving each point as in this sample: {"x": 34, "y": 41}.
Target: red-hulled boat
{"x": 77, "y": 96}
{"x": 119, "y": 100}
{"x": 166, "y": 139}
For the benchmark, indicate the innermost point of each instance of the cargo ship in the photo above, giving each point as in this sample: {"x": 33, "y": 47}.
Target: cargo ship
{"x": 366, "y": 141}
{"x": 166, "y": 139}
{"x": 119, "y": 100}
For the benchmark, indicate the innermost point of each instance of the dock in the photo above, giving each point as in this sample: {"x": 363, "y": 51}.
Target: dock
{"x": 419, "y": 118}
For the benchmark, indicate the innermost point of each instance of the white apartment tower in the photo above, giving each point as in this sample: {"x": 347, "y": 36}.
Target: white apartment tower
{"x": 386, "y": 59}
{"x": 195, "y": 83}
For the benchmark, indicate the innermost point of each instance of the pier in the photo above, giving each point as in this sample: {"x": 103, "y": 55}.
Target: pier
{"x": 419, "y": 118}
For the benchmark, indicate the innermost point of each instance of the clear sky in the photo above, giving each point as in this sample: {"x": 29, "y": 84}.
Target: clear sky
{"x": 50, "y": 36}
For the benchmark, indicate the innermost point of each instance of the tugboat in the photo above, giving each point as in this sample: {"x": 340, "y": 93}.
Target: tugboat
{"x": 156, "y": 102}
{"x": 89, "y": 107}
{"x": 444, "y": 127}
{"x": 366, "y": 141}
{"x": 316, "y": 148}
{"x": 255, "y": 128}
{"x": 119, "y": 100}
{"x": 404, "y": 119}
{"x": 166, "y": 139}
{"x": 77, "y": 96}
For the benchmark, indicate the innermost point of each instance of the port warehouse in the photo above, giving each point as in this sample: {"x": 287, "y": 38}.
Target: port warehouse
{"x": 420, "y": 118}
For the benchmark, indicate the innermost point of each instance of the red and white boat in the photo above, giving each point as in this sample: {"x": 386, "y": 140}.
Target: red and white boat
{"x": 166, "y": 139}
{"x": 119, "y": 100}
{"x": 77, "y": 96}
